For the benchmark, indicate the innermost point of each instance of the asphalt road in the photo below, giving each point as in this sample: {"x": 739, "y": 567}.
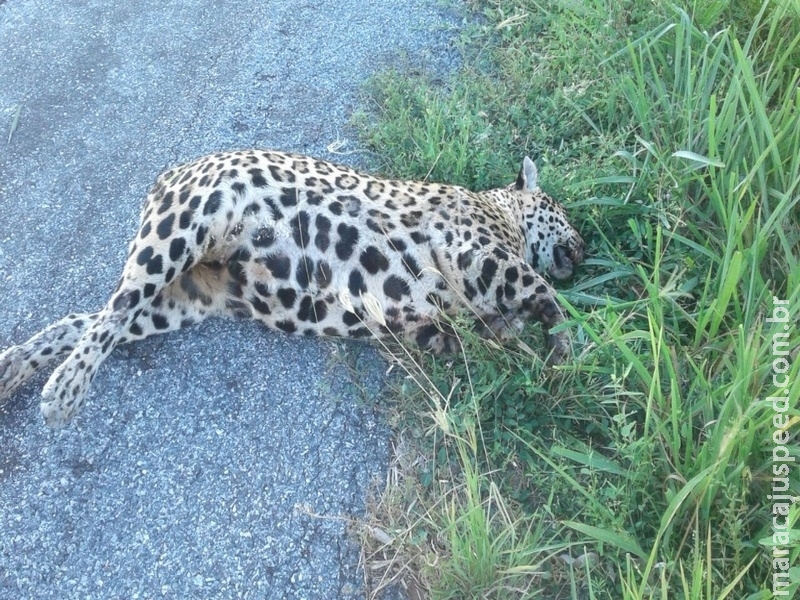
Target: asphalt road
{"x": 221, "y": 461}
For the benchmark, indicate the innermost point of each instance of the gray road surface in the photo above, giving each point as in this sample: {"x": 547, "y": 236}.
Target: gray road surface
{"x": 217, "y": 462}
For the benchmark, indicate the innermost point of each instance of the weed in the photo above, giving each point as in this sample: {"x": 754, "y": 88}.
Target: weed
{"x": 642, "y": 469}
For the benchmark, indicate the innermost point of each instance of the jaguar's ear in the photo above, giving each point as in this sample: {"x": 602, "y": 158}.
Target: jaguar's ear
{"x": 528, "y": 178}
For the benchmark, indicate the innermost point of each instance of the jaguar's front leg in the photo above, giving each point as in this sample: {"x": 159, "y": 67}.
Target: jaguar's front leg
{"x": 506, "y": 293}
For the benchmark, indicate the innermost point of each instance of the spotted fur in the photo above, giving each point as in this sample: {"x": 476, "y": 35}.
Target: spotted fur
{"x": 312, "y": 248}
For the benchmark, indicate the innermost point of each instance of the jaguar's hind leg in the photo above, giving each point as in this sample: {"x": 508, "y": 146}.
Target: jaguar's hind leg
{"x": 19, "y": 363}
{"x": 191, "y": 298}
{"x": 179, "y": 225}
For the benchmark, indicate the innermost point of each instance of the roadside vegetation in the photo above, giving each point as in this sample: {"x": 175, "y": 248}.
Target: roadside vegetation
{"x": 641, "y": 469}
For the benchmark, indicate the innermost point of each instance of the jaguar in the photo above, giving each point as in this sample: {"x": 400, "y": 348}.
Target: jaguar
{"x": 312, "y": 248}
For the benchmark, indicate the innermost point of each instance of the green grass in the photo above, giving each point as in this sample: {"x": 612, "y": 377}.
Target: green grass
{"x": 642, "y": 469}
